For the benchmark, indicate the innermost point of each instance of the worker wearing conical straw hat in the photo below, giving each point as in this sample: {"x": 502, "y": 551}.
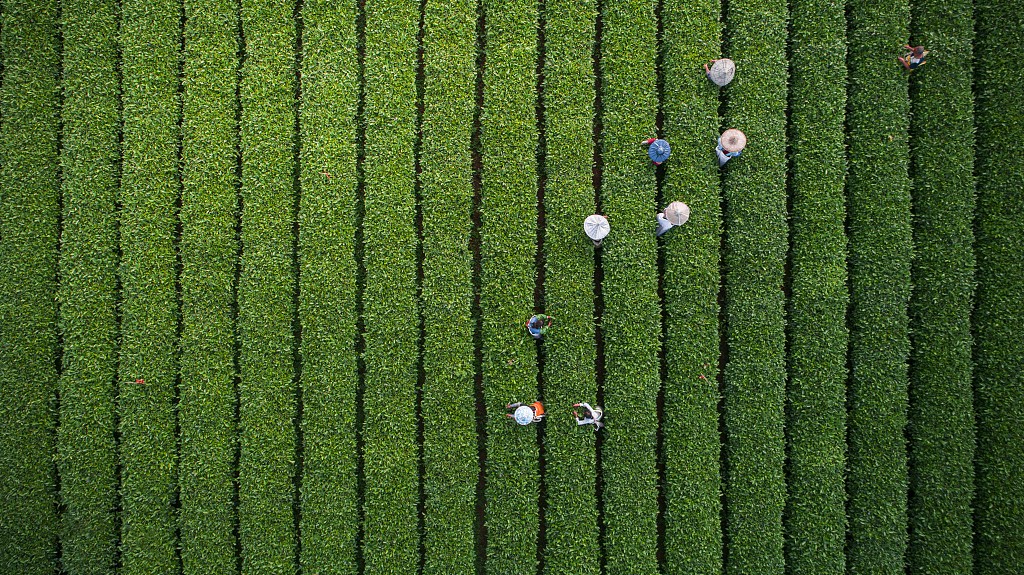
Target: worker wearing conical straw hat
{"x": 591, "y": 415}
{"x": 657, "y": 150}
{"x": 675, "y": 214}
{"x": 721, "y": 71}
{"x": 596, "y": 227}
{"x": 526, "y": 414}
{"x": 730, "y": 145}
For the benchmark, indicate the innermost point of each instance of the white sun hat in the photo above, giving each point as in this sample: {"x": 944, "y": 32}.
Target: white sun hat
{"x": 722, "y": 71}
{"x": 524, "y": 415}
{"x": 596, "y": 227}
{"x": 677, "y": 213}
{"x": 733, "y": 140}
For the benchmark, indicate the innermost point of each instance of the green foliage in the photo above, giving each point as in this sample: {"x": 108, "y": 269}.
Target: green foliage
{"x": 266, "y": 291}
{"x": 691, "y": 441}
{"x": 999, "y": 312}
{"x": 815, "y": 519}
{"x": 327, "y": 284}
{"x": 754, "y": 188}
{"x": 941, "y": 398}
{"x": 28, "y": 267}
{"x": 879, "y": 231}
{"x": 631, "y": 323}
{"x": 209, "y": 211}
{"x": 450, "y": 458}
{"x": 571, "y": 544}
{"x": 508, "y": 214}
{"x": 391, "y": 536}
{"x": 86, "y": 449}
{"x": 150, "y": 44}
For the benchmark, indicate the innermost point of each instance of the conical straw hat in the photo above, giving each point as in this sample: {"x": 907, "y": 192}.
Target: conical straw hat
{"x": 722, "y": 71}
{"x": 659, "y": 151}
{"x": 733, "y": 140}
{"x": 677, "y": 213}
{"x": 596, "y": 227}
{"x": 524, "y": 415}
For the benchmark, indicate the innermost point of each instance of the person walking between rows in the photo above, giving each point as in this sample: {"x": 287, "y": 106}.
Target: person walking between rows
{"x": 591, "y": 415}
{"x": 657, "y": 150}
{"x": 675, "y": 214}
{"x": 730, "y": 145}
{"x": 721, "y": 71}
{"x": 596, "y": 227}
{"x": 914, "y": 59}
{"x": 539, "y": 325}
{"x": 526, "y": 414}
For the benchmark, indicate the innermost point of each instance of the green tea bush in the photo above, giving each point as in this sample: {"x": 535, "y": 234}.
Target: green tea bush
{"x": 999, "y": 311}
{"x": 631, "y": 324}
{"x": 86, "y": 449}
{"x": 209, "y": 249}
{"x": 941, "y": 421}
{"x": 29, "y": 216}
{"x": 691, "y": 441}
{"x": 327, "y": 286}
{"x": 508, "y": 224}
{"x": 450, "y": 460}
{"x": 878, "y": 228}
{"x": 815, "y": 518}
{"x": 266, "y": 291}
{"x": 391, "y": 537}
{"x": 150, "y": 50}
{"x": 754, "y": 189}
{"x": 570, "y": 509}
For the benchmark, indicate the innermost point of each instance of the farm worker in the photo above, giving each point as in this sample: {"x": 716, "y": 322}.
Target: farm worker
{"x": 675, "y": 214}
{"x": 526, "y": 414}
{"x": 657, "y": 150}
{"x": 730, "y": 145}
{"x": 721, "y": 71}
{"x": 596, "y": 227}
{"x": 591, "y": 415}
{"x": 914, "y": 59}
{"x": 538, "y": 325}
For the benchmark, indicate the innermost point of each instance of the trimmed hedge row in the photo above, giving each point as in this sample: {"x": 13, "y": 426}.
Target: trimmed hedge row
{"x": 150, "y": 44}
{"x": 86, "y": 447}
{"x": 999, "y": 311}
{"x": 391, "y": 538}
{"x": 941, "y": 421}
{"x": 691, "y": 440}
{"x": 450, "y": 459}
{"x": 815, "y": 517}
{"x": 29, "y": 216}
{"x": 878, "y": 225}
{"x": 631, "y": 325}
{"x": 571, "y": 543}
{"x": 754, "y": 188}
{"x": 508, "y": 216}
{"x": 266, "y": 291}
{"x": 209, "y": 248}
{"x": 327, "y": 287}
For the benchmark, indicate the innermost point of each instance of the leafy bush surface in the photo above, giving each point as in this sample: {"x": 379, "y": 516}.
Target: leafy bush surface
{"x": 508, "y": 224}
{"x": 570, "y": 509}
{"x": 451, "y": 463}
{"x": 878, "y": 227}
{"x": 631, "y": 325}
{"x": 691, "y": 441}
{"x": 999, "y": 312}
{"x": 941, "y": 415}
{"x": 29, "y": 215}
{"x": 150, "y": 49}
{"x": 266, "y": 291}
{"x": 754, "y": 189}
{"x": 327, "y": 286}
{"x": 209, "y": 250}
{"x": 86, "y": 448}
{"x": 815, "y": 518}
